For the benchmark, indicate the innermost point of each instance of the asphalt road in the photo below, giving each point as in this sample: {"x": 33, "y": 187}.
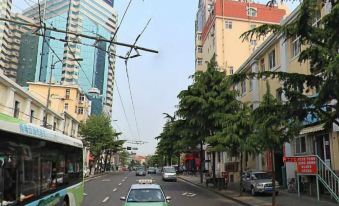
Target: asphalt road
{"x": 107, "y": 190}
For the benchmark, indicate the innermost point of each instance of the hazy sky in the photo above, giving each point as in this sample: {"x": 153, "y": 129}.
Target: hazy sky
{"x": 156, "y": 79}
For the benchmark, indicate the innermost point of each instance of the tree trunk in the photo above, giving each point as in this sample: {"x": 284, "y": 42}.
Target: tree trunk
{"x": 273, "y": 177}
{"x": 241, "y": 171}
{"x": 202, "y": 162}
{"x": 213, "y": 169}
{"x": 105, "y": 161}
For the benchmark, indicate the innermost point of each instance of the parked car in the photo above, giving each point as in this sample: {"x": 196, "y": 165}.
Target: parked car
{"x": 140, "y": 172}
{"x": 151, "y": 170}
{"x": 169, "y": 173}
{"x": 259, "y": 182}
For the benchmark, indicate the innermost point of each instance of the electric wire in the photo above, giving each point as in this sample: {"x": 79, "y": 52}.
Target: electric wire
{"x": 123, "y": 107}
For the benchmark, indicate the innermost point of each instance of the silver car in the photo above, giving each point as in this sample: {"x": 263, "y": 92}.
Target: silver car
{"x": 140, "y": 172}
{"x": 259, "y": 182}
{"x": 169, "y": 173}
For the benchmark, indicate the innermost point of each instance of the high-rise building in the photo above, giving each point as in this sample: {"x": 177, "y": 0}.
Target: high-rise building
{"x": 5, "y": 40}
{"x": 81, "y": 61}
{"x": 219, "y": 25}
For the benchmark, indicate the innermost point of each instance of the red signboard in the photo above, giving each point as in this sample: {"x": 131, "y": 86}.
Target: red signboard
{"x": 305, "y": 164}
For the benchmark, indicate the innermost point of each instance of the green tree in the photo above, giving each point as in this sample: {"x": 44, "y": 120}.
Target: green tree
{"x": 273, "y": 127}
{"x": 321, "y": 37}
{"x": 200, "y": 106}
{"x": 123, "y": 155}
{"x": 99, "y": 135}
{"x": 237, "y": 127}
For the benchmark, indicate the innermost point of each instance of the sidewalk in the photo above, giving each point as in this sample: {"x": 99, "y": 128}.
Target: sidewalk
{"x": 283, "y": 199}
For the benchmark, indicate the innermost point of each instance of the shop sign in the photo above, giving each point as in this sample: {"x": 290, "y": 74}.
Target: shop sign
{"x": 306, "y": 165}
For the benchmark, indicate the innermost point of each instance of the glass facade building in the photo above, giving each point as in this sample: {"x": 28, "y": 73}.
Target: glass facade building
{"x": 81, "y": 61}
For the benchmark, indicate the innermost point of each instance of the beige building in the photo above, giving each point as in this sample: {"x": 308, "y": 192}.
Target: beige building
{"x": 63, "y": 98}
{"x": 10, "y": 39}
{"x": 220, "y": 25}
{"x": 281, "y": 55}
{"x": 17, "y": 102}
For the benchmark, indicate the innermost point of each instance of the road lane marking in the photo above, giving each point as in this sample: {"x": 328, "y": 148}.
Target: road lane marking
{"x": 105, "y": 200}
{"x": 120, "y": 183}
{"x": 106, "y": 180}
{"x": 123, "y": 180}
{"x": 115, "y": 189}
{"x": 85, "y": 194}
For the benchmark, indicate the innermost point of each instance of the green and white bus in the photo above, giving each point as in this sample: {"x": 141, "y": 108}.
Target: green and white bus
{"x": 39, "y": 167}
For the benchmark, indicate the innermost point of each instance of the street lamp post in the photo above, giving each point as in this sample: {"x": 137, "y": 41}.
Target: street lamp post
{"x": 50, "y": 83}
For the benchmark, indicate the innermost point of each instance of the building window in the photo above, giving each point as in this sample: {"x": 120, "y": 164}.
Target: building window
{"x": 251, "y": 11}
{"x": 271, "y": 57}
{"x": 243, "y": 87}
{"x": 231, "y": 70}
{"x": 31, "y": 117}
{"x": 199, "y": 37}
{"x": 80, "y": 110}
{"x": 82, "y": 97}
{"x": 251, "y": 84}
{"x": 16, "y": 109}
{"x": 199, "y": 49}
{"x": 296, "y": 46}
{"x": 199, "y": 62}
{"x": 300, "y": 145}
{"x": 68, "y": 93}
{"x": 66, "y": 107}
{"x": 228, "y": 24}
{"x": 262, "y": 65}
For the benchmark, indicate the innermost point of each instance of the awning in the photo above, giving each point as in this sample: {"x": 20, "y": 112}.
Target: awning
{"x": 312, "y": 129}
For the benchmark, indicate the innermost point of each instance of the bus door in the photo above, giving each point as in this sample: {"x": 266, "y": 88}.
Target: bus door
{"x": 2, "y": 163}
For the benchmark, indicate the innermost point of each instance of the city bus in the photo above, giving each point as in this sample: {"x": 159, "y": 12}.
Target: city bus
{"x": 39, "y": 167}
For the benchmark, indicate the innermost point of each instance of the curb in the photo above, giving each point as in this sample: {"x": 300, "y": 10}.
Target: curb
{"x": 217, "y": 192}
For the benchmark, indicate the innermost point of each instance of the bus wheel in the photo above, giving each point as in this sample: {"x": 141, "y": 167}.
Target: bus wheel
{"x": 65, "y": 203}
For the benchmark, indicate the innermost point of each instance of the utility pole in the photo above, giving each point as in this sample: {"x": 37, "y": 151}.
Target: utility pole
{"x": 49, "y": 90}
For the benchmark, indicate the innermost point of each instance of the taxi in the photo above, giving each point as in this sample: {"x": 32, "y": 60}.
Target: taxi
{"x": 146, "y": 193}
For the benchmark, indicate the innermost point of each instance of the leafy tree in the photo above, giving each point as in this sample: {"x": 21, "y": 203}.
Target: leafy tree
{"x": 99, "y": 135}
{"x": 200, "y": 106}
{"x": 237, "y": 127}
{"x": 273, "y": 127}
{"x": 124, "y": 155}
{"x": 321, "y": 37}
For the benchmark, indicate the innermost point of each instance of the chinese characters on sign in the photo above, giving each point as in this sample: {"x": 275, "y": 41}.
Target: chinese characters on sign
{"x": 305, "y": 164}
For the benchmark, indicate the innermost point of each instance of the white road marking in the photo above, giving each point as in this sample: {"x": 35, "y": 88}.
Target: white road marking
{"x": 115, "y": 189}
{"x": 85, "y": 194}
{"x": 106, "y": 180}
{"x": 185, "y": 193}
{"x": 105, "y": 200}
{"x": 120, "y": 183}
{"x": 123, "y": 180}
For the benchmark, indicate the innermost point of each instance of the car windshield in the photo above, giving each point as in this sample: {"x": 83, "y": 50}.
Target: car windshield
{"x": 260, "y": 176}
{"x": 145, "y": 195}
{"x": 151, "y": 168}
{"x": 169, "y": 170}
{"x": 140, "y": 169}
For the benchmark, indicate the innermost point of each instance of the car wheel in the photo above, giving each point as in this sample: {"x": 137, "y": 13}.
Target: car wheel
{"x": 253, "y": 192}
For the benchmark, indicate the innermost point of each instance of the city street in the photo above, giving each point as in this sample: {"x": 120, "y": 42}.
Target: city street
{"x": 107, "y": 190}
